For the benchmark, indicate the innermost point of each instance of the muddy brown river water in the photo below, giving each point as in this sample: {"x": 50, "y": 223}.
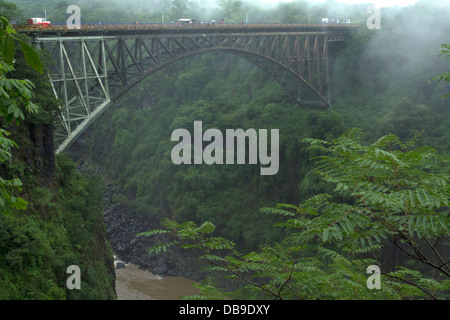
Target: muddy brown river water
{"x": 133, "y": 283}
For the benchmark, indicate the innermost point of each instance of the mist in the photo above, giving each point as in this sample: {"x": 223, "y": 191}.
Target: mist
{"x": 405, "y": 49}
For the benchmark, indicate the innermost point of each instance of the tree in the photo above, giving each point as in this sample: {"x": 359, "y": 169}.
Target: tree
{"x": 406, "y": 120}
{"x": 445, "y": 51}
{"x": 232, "y": 10}
{"x": 9, "y": 11}
{"x": 179, "y": 7}
{"x": 394, "y": 193}
{"x": 384, "y": 193}
{"x": 15, "y": 98}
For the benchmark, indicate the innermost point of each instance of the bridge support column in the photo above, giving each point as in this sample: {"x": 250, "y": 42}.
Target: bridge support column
{"x": 77, "y": 80}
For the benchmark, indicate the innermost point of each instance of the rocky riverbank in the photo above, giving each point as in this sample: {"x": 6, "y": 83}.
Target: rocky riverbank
{"x": 123, "y": 227}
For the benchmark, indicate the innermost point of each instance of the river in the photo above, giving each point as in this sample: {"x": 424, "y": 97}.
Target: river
{"x": 133, "y": 283}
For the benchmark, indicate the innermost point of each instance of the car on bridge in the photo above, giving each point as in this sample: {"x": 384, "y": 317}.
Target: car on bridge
{"x": 187, "y": 21}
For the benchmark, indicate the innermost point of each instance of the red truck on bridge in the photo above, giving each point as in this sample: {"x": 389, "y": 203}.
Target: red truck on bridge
{"x": 38, "y": 22}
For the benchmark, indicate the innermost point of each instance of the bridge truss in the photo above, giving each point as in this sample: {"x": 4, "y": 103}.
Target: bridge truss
{"x": 93, "y": 69}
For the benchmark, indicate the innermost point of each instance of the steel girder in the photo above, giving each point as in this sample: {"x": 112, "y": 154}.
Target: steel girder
{"x": 91, "y": 72}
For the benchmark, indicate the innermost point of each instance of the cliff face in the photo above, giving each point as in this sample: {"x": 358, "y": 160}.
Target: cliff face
{"x": 35, "y": 151}
{"x": 42, "y": 137}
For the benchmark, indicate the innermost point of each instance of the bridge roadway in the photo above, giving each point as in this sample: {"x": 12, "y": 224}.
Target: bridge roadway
{"x": 164, "y": 29}
{"x": 96, "y": 64}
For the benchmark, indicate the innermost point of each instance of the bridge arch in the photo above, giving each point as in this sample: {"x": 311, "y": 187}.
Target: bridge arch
{"x": 286, "y": 77}
{"x": 280, "y": 72}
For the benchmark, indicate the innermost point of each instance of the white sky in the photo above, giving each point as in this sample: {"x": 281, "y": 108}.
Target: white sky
{"x": 377, "y": 3}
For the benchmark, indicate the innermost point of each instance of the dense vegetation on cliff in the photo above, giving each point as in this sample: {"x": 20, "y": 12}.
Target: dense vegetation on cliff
{"x": 51, "y": 217}
{"x": 390, "y": 201}
{"x": 138, "y": 157}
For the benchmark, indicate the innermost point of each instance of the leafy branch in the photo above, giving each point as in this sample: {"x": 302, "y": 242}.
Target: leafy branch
{"x": 14, "y": 93}
{"x": 394, "y": 193}
{"x": 444, "y": 77}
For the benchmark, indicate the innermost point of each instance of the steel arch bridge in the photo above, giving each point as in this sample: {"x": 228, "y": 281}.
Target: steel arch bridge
{"x": 97, "y": 64}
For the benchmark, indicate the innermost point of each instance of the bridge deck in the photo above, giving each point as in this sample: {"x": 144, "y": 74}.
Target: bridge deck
{"x": 155, "y": 29}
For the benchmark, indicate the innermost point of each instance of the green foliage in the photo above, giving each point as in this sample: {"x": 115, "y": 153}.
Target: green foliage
{"x": 444, "y": 77}
{"x": 119, "y": 199}
{"x": 10, "y": 11}
{"x": 80, "y": 211}
{"x": 40, "y": 237}
{"x": 406, "y": 120}
{"x": 7, "y": 187}
{"x": 57, "y": 230}
{"x": 25, "y": 269}
{"x": 398, "y": 195}
{"x": 232, "y": 10}
{"x": 137, "y": 154}
{"x": 14, "y": 93}
{"x": 376, "y": 70}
